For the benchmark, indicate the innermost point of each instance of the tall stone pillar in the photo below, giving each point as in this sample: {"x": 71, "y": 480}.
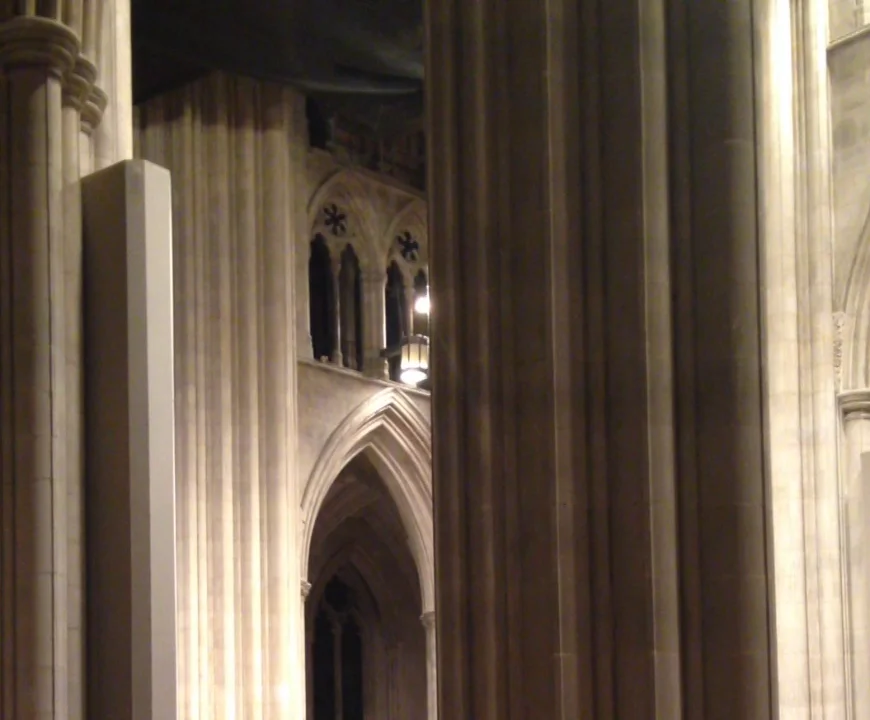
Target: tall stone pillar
{"x": 83, "y": 102}
{"x": 52, "y": 72}
{"x": 601, "y": 526}
{"x": 36, "y": 54}
{"x": 374, "y": 322}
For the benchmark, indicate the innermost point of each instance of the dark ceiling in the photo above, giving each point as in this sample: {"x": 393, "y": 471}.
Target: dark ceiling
{"x": 360, "y": 58}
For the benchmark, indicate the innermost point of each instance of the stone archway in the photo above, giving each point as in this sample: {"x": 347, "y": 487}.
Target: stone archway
{"x": 396, "y": 437}
{"x": 388, "y": 435}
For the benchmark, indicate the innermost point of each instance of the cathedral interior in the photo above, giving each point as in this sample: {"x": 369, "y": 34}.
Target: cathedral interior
{"x": 472, "y": 360}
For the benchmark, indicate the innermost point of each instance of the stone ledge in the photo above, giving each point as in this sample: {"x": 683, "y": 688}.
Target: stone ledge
{"x": 849, "y": 39}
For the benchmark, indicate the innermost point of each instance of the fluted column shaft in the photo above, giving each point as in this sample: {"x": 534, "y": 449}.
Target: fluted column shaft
{"x": 78, "y": 122}
{"x": 36, "y": 54}
{"x": 374, "y": 322}
{"x": 228, "y": 144}
{"x": 598, "y": 440}
{"x": 50, "y": 105}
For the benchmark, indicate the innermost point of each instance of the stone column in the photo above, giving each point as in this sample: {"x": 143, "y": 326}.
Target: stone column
{"x": 598, "y": 443}
{"x": 336, "y": 671}
{"x": 336, "y": 311}
{"x": 113, "y": 140}
{"x": 308, "y": 649}
{"x": 228, "y": 434}
{"x": 82, "y": 107}
{"x": 428, "y": 620}
{"x": 36, "y": 53}
{"x": 374, "y": 322}
{"x": 348, "y": 312}
{"x": 408, "y": 318}
{"x": 286, "y": 670}
{"x": 855, "y": 409}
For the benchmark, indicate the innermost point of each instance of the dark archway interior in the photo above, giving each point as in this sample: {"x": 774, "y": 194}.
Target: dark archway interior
{"x": 338, "y": 655}
{"x": 366, "y": 644}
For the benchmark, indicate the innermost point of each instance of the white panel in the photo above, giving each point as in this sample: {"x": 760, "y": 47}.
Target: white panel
{"x": 130, "y": 471}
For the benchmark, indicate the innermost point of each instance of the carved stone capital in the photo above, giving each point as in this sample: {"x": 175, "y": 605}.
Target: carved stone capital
{"x": 28, "y": 41}
{"x": 93, "y": 109}
{"x": 79, "y": 82}
{"x": 306, "y": 589}
{"x": 855, "y": 404}
{"x": 428, "y": 619}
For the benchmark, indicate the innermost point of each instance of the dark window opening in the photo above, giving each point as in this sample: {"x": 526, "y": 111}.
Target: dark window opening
{"x": 319, "y": 129}
{"x": 321, "y": 301}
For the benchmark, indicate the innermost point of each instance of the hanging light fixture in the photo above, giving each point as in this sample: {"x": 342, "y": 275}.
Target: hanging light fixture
{"x": 421, "y": 305}
{"x": 414, "y": 367}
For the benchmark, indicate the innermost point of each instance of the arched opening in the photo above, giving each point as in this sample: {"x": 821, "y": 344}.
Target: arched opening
{"x": 397, "y": 320}
{"x": 366, "y": 645}
{"x": 350, "y": 280}
{"x": 321, "y": 305}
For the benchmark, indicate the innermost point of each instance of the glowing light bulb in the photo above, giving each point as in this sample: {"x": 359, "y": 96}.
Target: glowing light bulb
{"x": 421, "y": 306}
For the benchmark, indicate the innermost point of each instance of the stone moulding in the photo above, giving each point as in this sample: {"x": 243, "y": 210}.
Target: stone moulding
{"x": 855, "y": 404}
{"x": 38, "y": 41}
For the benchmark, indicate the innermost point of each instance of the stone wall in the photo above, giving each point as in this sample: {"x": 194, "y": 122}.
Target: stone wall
{"x": 849, "y": 64}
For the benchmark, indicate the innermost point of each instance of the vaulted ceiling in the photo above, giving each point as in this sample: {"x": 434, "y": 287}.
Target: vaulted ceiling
{"x": 360, "y": 58}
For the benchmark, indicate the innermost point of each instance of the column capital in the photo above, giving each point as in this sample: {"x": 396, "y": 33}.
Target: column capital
{"x": 855, "y": 404}
{"x": 79, "y": 81}
{"x": 306, "y": 589}
{"x": 428, "y": 619}
{"x": 37, "y": 41}
{"x": 93, "y": 109}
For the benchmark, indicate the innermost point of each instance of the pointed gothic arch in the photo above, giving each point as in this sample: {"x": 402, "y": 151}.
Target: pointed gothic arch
{"x": 395, "y": 436}
{"x": 351, "y": 194}
{"x": 412, "y": 218}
